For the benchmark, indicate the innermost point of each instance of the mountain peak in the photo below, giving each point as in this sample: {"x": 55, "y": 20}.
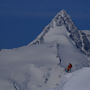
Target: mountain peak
{"x": 60, "y": 23}
{"x": 61, "y": 19}
{"x": 62, "y": 13}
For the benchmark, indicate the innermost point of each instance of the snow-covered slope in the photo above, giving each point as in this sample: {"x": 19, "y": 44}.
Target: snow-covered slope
{"x": 63, "y": 19}
{"x": 29, "y": 68}
{"x": 36, "y": 66}
{"x": 78, "y": 80}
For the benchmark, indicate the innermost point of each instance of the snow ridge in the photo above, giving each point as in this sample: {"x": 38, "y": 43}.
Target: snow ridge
{"x": 63, "y": 19}
{"x": 58, "y": 20}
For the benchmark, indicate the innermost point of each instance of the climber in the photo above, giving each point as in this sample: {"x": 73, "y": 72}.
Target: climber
{"x": 68, "y": 69}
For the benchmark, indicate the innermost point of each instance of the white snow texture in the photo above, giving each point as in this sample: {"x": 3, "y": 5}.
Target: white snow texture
{"x": 36, "y": 66}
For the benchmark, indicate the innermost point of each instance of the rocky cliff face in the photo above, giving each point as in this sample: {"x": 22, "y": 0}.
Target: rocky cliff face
{"x": 87, "y": 33}
{"x": 85, "y": 43}
{"x": 77, "y": 36}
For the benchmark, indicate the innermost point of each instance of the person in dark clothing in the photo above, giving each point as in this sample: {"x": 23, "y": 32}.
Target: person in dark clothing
{"x": 68, "y": 69}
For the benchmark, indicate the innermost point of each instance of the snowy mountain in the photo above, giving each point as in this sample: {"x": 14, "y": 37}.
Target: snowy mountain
{"x": 36, "y": 66}
{"x": 63, "y": 19}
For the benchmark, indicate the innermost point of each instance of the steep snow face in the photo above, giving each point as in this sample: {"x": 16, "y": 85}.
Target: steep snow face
{"x": 67, "y": 50}
{"x": 60, "y": 31}
{"x": 56, "y": 35}
{"x": 63, "y": 19}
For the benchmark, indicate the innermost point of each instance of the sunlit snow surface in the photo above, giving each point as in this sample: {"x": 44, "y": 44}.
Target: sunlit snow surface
{"x": 78, "y": 80}
{"x": 36, "y": 67}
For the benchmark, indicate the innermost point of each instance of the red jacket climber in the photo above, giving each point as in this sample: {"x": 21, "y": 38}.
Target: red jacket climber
{"x": 69, "y": 67}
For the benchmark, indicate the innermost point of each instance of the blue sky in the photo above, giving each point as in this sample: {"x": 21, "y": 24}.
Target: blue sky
{"x": 22, "y": 20}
